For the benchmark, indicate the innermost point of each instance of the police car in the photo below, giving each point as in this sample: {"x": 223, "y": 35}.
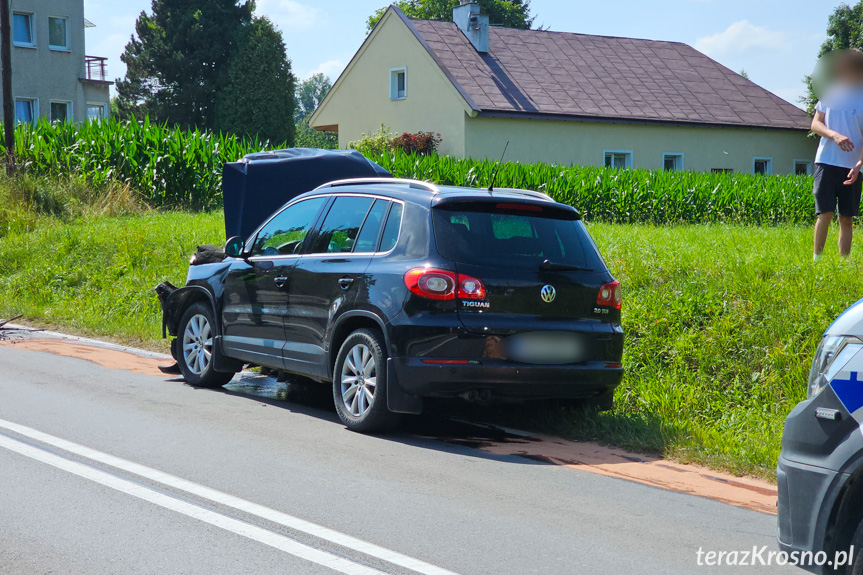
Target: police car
{"x": 820, "y": 470}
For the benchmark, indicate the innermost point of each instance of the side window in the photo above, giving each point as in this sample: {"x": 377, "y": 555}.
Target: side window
{"x": 284, "y": 234}
{"x": 391, "y": 230}
{"x": 367, "y": 241}
{"x": 342, "y": 225}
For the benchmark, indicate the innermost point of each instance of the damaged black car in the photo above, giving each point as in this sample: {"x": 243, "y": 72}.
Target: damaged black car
{"x": 396, "y": 291}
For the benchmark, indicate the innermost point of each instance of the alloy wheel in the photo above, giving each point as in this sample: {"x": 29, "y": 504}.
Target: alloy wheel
{"x": 358, "y": 380}
{"x": 197, "y": 344}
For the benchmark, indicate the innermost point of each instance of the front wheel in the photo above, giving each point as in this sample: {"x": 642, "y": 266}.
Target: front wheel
{"x": 360, "y": 384}
{"x": 196, "y": 348}
{"x": 855, "y": 564}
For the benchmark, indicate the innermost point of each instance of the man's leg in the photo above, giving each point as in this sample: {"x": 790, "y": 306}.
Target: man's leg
{"x": 846, "y": 230}
{"x": 849, "y": 208}
{"x": 822, "y": 226}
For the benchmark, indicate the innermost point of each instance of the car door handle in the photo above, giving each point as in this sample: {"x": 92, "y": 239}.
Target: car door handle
{"x": 280, "y": 281}
{"x": 345, "y": 283}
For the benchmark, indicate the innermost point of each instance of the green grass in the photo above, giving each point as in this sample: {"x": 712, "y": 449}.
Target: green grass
{"x": 721, "y": 321}
{"x": 721, "y": 325}
{"x": 95, "y": 276}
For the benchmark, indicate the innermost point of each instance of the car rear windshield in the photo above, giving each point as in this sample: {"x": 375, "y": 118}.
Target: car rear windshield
{"x": 488, "y": 235}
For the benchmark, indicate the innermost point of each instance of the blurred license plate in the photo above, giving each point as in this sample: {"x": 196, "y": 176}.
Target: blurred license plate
{"x": 545, "y": 348}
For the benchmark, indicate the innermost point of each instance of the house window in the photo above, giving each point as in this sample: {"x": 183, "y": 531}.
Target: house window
{"x": 61, "y": 111}
{"x": 58, "y": 33}
{"x": 22, "y": 29}
{"x": 618, "y": 159}
{"x": 672, "y": 162}
{"x": 802, "y": 167}
{"x": 25, "y": 110}
{"x": 763, "y": 166}
{"x": 398, "y": 83}
{"x": 95, "y": 111}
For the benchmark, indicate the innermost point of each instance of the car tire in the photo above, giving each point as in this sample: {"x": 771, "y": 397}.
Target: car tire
{"x": 360, "y": 384}
{"x": 196, "y": 349}
{"x": 856, "y": 567}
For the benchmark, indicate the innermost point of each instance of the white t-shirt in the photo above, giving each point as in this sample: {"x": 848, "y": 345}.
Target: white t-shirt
{"x": 843, "y": 111}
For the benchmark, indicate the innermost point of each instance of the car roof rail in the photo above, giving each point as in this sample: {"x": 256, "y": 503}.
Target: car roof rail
{"x": 416, "y": 184}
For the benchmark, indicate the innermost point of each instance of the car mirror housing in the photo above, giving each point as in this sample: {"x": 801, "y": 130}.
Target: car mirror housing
{"x": 235, "y": 246}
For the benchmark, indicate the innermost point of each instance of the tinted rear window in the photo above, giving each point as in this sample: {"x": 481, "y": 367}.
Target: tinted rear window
{"x": 485, "y": 236}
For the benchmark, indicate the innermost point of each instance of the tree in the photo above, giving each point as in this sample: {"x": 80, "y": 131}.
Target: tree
{"x": 177, "y": 59}
{"x": 308, "y": 137}
{"x": 507, "y": 13}
{"x": 310, "y": 94}
{"x": 844, "y": 30}
{"x": 258, "y": 96}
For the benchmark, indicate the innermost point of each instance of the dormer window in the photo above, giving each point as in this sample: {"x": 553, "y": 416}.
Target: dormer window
{"x": 398, "y": 83}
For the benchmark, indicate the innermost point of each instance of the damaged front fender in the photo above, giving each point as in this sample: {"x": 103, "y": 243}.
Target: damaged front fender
{"x": 175, "y": 300}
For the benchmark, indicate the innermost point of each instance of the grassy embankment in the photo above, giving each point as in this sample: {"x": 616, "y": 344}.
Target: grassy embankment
{"x": 722, "y": 317}
{"x": 721, "y": 320}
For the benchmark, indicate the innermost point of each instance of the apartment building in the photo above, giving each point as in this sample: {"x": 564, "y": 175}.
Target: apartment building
{"x": 52, "y": 76}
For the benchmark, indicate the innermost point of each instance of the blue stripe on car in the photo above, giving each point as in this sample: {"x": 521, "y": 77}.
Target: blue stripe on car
{"x": 849, "y": 391}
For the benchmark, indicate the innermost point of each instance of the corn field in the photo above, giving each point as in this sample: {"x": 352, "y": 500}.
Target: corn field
{"x": 629, "y": 196}
{"x": 174, "y": 168}
{"x": 170, "y": 167}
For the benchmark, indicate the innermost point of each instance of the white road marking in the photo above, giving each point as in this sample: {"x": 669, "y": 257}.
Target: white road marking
{"x": 248, "y": 530}
{"x": 231, "y": 501}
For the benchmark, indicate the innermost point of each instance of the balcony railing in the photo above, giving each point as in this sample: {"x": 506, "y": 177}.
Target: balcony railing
{"x": 97, "y": 70}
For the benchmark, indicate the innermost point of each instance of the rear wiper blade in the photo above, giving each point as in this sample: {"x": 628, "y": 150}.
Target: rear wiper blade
{"x": 551, "y": 266}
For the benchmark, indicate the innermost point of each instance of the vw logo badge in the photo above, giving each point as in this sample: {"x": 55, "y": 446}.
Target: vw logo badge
{"x": 547, "y": 293}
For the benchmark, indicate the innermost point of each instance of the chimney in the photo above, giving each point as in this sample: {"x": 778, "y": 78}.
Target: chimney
{"x": 474, "y": 25}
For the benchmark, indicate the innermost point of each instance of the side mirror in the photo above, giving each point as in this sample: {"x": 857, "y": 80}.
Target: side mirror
{"x": 235, "y": 246}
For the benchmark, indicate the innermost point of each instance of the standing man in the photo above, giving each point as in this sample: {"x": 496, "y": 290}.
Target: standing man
{"x": 839, "y": 121}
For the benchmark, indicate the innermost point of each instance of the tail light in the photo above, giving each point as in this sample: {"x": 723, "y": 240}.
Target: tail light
{"x": 520, "y": 207}
{"x": 470, "y": 288}
{"x": 438, "y": 284}
{"x": 610, "y": 295}
{"x": 431, "y": 283}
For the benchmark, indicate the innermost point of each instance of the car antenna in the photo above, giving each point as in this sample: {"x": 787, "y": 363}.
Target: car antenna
{"x": 496, "y": 168}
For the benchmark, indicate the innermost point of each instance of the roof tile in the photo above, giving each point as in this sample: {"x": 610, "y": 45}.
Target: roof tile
{"x": 555, "y": 73}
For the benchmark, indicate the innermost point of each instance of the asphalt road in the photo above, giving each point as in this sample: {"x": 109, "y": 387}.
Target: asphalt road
{"x": 228, "y": 482}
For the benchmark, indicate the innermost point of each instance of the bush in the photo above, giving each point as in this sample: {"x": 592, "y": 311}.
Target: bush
{"x": 374, "y": 144}
{"x": 420, "y": 143}
{"x": 308, "y": 137}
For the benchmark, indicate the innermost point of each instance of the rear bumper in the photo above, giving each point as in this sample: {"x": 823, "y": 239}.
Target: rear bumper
{"x": 506, "y": 379}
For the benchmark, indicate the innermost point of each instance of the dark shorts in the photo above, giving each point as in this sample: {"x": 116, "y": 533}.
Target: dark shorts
{"x": 829, "y": 190}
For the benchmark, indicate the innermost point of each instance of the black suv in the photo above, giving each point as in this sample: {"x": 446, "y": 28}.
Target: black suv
{"x": 398, "y": 290}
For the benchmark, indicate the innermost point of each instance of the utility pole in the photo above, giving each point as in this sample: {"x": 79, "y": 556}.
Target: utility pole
{"x": 6, "y": 80}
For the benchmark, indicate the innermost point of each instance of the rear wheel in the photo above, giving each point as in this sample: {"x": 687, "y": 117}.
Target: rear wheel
{"x": 360, "y": 385}
{"x": 196, "y": 348}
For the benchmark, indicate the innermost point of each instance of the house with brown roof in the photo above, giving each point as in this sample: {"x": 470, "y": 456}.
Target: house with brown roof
{"x": 562, "y": 98}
